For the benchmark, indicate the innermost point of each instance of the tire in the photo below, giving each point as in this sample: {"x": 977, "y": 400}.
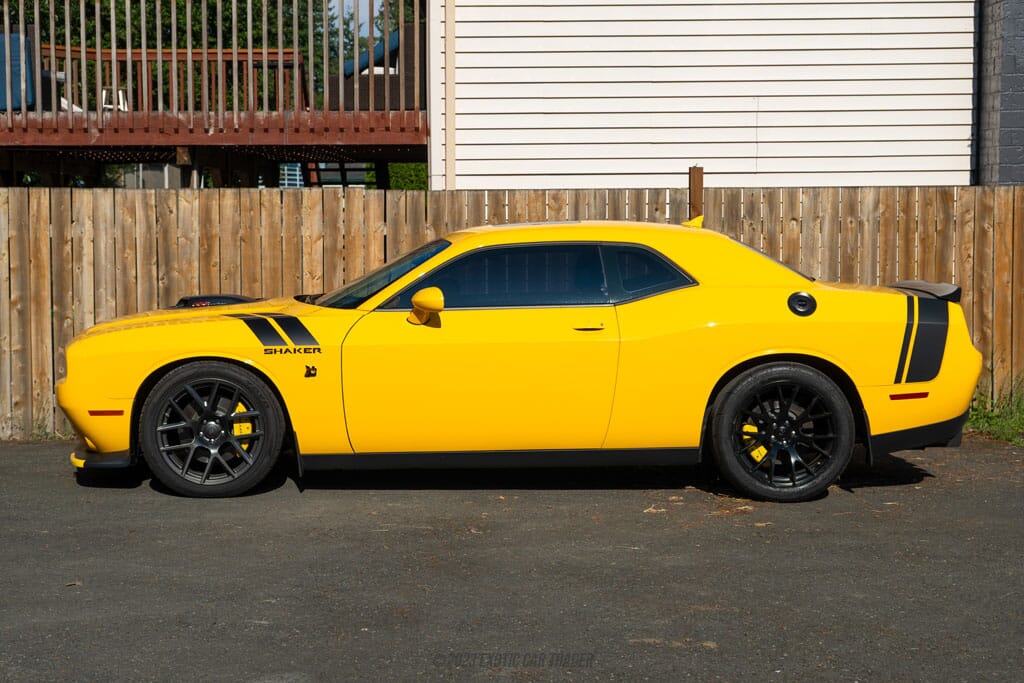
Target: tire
{"x": 782, "y": 432}
{"x": 211, "y": 429}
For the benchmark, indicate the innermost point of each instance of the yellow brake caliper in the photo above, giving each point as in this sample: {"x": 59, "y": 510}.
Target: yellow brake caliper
{"x": 758, "y": 453}
{"x": 242, "y": 427}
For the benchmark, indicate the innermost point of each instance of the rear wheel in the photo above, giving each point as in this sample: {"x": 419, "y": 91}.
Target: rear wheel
{"x": 211, "y": 429}
{"x": 782, "y": 432}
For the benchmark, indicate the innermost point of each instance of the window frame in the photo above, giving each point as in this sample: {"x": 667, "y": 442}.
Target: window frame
{"x": 418, "y": 283}
{"x": 619, "y": 294}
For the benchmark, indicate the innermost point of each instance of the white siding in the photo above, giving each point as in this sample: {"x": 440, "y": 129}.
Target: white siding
{"x": 610, "y": 93}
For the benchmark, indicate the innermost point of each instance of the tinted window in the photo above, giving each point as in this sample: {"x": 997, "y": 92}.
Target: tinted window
{"x": 644, "y": 272}
{"x": 355, "y": 293}
{"x": 540, "y": 275}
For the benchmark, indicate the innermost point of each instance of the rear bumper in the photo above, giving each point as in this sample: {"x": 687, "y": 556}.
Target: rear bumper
{"x": 946, "y": 433}
{"x": 84, "y": 459}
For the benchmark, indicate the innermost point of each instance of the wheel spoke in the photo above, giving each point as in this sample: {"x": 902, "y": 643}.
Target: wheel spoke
{"x": 176, "y": 425}
{"x": 246, "y": 415}
{"x": 223, "y": 463}
{"x": 209, "y": 464}
{"x": 246, "y": 437}
{"x": 176, "y": 447}
{"x": 804, "y": 415}
{"x": 200, "y": 403}
{"x": 793, "y": 458}
{"x": 211, "y": 403}
{"x": 244, "y": 454}
{"x": 188, "y": 459}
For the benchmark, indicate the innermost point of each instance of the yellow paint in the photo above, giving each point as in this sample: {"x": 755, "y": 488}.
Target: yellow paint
{"x": 77, "y": 461}
{"x": 638, "y": 374}
{"x": 695, "y": 222}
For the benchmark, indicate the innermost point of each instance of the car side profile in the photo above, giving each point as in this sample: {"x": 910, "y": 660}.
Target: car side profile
{"x": 591, "y": 343}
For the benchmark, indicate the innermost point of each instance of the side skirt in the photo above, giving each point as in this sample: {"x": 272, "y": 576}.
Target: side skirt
{"x": 503, "y": 459}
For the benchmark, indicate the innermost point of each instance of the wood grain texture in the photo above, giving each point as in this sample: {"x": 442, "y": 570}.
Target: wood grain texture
{"x": 126, "y": 294}
{"x": 209, "y": 242}
{"x": 5, "y": 317}
{"x": 791, "y": 225}
{"x": 752, "y": 233}
{"x": 888, "y": 240}
{"x": 334, "y": 236}
{"x": 983, "y": 295}
{"x": 41, "y": 312}
{"x": 20, "y": 314}
{"x": 273, "y": 244}
{"x": 945, "y": 233}
{"x": 146, "y": 273}
{"x": 397, "y": 226}
{"x": 869, "y": 241}
{"x": 291, "y": 241}
{"x": 104, "y": 272}
{"x": 313, "y": 241}
{"x": 1017, "y": 312}
{"x": 62, "y": 294}
{"x": 657, "y": 205}
{"x": 416, "y": 214}
{"x": 496, "y": 205}
{"x": 1002, "y": 291}
{"x": 714, "y": 201}
{"x": 732, "y": 212}
{"x": 963, "y": 271}
{"x": 250, "y": 247}
{"x": 831, "y": 253}
{"x": 374, "y": 212}
{"x": 927, "y": 258}
{"x": 907, "y": 228}
{"x": 355, "y": 233}
{"x": 229, "y": 234}
{"x": 849, "y": 235}
{"x": 810, "y": 240}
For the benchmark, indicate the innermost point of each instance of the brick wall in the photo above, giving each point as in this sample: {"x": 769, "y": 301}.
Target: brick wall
{"x": 1001, "y": 92}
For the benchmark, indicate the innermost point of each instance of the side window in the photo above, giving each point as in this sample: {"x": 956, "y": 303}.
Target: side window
{"x": 643, "y": 272}
{"x": 517, "y": 277}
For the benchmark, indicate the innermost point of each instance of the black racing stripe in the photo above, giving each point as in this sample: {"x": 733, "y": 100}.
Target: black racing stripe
{"x": 902, "y": 364}
{"x": 930, "y": 342}
{"x": 294, "y": 328}
{"x": 262, "y": 328}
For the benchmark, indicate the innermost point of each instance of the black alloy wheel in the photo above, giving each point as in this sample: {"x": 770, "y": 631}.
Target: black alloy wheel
{"x": 211, "y": 429}
{"x": 782, "y": 432}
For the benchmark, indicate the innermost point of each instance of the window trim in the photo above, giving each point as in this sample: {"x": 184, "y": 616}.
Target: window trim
{"x": 418, "y": 282}
{"x": 618, "y": 294}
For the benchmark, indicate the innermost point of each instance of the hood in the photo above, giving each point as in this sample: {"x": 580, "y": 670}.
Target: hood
{"x": 171, "y": 316}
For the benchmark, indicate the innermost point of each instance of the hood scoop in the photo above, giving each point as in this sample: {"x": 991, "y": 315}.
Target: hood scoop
{"x": 203, "y": 300}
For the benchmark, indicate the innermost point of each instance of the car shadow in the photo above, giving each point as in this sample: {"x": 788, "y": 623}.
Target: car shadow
{"x": 888, "y": 470}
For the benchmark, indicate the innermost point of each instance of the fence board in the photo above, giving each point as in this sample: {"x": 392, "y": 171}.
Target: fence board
{"x": 168, "y": 272}
{"x": 869, "y": 228}
{"x": 20, "y": 312}
{"x": 714, "y": 199}
{"x": 230, "y": 241}
{"x": 334, "y": 235}
{"x": 434, "y": 226}
{"x": 518, "y": 206}
{"x": 926, "y": 234}
{"x": 536, "y": 206}
{"x": 945, "y": 233}
{"x": 189, "y": 257}
{"x": 125, "y": 297}
{"x": 105, "y": 276}
{"x": 40, "y": 311}
{"x": 771, "y": 222}
{"x": 82, "y": 260}
{"x": 398, "y": 229}
{"x": 476, "y": 207}
{"x": 983, "y": 244}
{"x": 249, "y": 242}
{"x": 637, "y": 204}
{"x": 313, "y": 241}
{"x": 791, "y": 223}
{"x": 496, "y": 207}
{"x": 678, "y": 205}
{"x": 907, "y": 228}
{"x": 752, "y": 233}
{"x": 355, "y": 233}
{"x": 657, "y": 206}
{"x": 1002, "y": 290}
{"x": 209, "y": 243}
{"x": 373, "y": 208}
{"x": 291, "y": 242}
{"x": 1017, "y": 313}
{"x": 454, "y": 210}
{"x": 964, "y": 269}
{"x": 416, "y": 215}
{"x": 147, "y": 268}
{"x": 888, "y": 240}
{"x": 273, "y": 244}
{"x": 5, "y": 317}
{"x": 558, "y": 209}
{"x": 616, "y": 207}
{"x": 62, "y": 291}
{"x": 849, "y": 234}
{"x": 732, "y": 212}
{"x": 830, "y": 229}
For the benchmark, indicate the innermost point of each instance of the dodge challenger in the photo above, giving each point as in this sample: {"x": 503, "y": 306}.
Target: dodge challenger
{"x": 592, "y": 344}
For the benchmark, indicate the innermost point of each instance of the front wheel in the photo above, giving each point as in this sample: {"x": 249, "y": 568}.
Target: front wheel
{"x": 211, "y": 429}
{"x": 782, "y": 432}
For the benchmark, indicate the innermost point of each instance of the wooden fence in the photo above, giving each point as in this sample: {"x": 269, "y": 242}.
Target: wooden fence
{"x": 69, "y": 258}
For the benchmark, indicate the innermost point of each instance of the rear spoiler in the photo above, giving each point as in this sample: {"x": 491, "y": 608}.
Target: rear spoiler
{"x": 935, "y": 290}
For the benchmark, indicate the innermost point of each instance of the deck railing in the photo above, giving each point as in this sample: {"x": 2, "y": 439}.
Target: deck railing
{"x": 212, "y": 72}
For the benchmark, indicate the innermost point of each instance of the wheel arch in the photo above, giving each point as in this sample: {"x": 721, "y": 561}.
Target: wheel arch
{"x": 827, "y": 368}
{"x": 147, "y": 386}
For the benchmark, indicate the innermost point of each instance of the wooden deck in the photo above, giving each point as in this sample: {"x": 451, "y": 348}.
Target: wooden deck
{"x": 243, "y": 80}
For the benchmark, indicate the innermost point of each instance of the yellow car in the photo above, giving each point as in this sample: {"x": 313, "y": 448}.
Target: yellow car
{"x": 592, "y": 343}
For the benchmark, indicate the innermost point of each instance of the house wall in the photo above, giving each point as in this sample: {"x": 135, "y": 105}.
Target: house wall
{"x": 1001, "y": 101}
{"x": 605, "y": 93}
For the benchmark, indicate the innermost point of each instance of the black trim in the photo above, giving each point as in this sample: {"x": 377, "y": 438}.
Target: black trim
{"x": 293, "y": 327}
{"x": 503, "y": 459}
{"x": 946, "y": 433}
{"x": 930, "y": 341}
{"x": 938, "y": 290}
{"x": 901, "y": 364}
{"x": 262, "y": 328}
{"x": 104, "y": 461}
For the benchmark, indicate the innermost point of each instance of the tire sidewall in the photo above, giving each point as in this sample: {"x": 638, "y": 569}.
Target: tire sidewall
{"x": 738, "y": 391}
{"x": 270, "y": 442}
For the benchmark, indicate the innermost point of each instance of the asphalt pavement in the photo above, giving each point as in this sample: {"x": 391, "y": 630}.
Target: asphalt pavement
{"x": 911, "y": 571}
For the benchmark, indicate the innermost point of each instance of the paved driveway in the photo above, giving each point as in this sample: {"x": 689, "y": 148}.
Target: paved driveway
{"x": 910, "y": 571}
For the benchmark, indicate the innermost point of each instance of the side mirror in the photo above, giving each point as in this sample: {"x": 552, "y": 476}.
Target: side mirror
{"x": 425, "y": 303}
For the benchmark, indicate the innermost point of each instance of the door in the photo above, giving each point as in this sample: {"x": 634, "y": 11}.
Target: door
{"x": 523, "y": 357}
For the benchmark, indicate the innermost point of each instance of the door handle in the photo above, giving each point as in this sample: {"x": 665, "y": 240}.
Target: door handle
{"x": 594, "y": 327}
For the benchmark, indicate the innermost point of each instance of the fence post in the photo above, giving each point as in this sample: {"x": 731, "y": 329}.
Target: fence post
{"x": 696, "y": 192}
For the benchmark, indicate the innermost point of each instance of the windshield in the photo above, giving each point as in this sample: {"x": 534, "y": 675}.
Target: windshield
{"x": 355, "y": 293}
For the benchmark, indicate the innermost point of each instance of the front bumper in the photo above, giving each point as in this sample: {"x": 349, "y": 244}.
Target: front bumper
{"x": 948, "y": 433}
{"x": 84, "y": 459}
